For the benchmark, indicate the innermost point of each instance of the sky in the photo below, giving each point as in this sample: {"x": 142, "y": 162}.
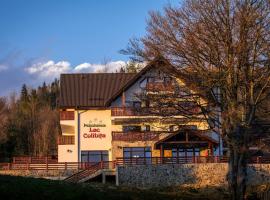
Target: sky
{"x": 40, "y": 39}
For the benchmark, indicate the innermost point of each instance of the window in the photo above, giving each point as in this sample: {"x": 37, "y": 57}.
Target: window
{"x": 137, "y": 152}
{"x": 94, "y": 156}
{"x": 188, "y": 152}
{"x": 131, "y": 129}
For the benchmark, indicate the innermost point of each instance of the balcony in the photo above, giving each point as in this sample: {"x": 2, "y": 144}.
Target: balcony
{"x": 160, "y": 87}
{"x": 66, "y": 115}
{"x": 66, "y": 140}
{"x": 124, "y": 111}
{"x": 156, "y": 111}
{"x": 135, "y": 136}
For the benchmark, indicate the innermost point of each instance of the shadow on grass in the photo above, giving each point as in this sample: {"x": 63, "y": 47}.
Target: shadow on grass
{"x": 17, "y": 188}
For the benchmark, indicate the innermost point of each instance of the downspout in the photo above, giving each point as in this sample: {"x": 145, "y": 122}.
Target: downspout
{"x": 79, "y": 134}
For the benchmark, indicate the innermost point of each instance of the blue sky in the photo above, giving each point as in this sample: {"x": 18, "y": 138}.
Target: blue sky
{"x": 40, "y": 39}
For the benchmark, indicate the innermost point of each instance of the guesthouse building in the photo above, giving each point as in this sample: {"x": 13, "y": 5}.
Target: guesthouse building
{"x": 105, "y": 116}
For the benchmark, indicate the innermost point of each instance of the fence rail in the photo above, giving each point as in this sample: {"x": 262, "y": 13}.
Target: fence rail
{"x": 186, "y": 160}
{"x": 34, "y": 159}
{"x": 36, "y": 164}
{"x": 56, "y": 166}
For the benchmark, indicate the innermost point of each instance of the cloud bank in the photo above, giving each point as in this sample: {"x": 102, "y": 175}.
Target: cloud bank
{"x": 50, "y": 70}
{"x": 35, "y": 72}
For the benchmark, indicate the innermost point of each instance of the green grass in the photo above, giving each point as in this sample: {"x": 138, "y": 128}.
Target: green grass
{"x": 12, "y": 187}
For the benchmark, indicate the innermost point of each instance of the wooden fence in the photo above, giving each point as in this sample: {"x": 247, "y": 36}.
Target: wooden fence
{"x": 50, "y": 163}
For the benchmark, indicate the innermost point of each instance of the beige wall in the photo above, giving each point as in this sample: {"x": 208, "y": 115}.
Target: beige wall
{"x": 95, "y": 131}
{"x": 67, "y": 153}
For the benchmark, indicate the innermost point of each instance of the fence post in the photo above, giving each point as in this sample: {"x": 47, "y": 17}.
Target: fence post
{"x": 101, "y": 164}
{"x": 65, "y": 165}
{"x": 257, "y": 159}
{"x": 9, "y": 166}
{"x": 46, "y": 160}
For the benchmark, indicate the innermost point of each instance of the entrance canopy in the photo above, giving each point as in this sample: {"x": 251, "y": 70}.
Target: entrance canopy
{"x": 187, "y": 138}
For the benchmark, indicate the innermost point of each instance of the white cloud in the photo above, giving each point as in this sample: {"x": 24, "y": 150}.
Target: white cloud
{"x": 49, "y": 70}
{"x": 108, "y": 67}
{"x": 3, "y": 67}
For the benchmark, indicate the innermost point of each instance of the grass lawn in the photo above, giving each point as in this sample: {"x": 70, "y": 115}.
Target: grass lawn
{"x": 12, "y": 187}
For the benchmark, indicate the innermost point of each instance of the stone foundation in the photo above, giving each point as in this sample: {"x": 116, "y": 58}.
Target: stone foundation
{"x": 197, "y": 175}
{"x": 50, "y": 174}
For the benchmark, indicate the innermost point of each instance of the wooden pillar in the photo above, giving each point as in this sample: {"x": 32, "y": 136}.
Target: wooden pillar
{"x": 161, "y": 153}
{"x": 210, "y": 147}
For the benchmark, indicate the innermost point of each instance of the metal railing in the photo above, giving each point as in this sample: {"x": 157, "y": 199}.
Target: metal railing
{"x": 135, "y": 136}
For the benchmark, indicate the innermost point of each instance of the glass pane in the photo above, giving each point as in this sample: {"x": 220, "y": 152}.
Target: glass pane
{"x": 148, "y": 154}
{"x": 94, "y": 158}
{"x": 147, "y": 148}
{"x": 94, "y": 152}
{"x": 137, "y": 154}
{"x": 105, "y": 157}
{"x": 127, "y": 155}
{"x": 189, "y": 153}
{"x": 84, "y": 158}
{"x": 174, "y": 154}
{"x": 137, "y": 149}
{"x": 181, "y": 154}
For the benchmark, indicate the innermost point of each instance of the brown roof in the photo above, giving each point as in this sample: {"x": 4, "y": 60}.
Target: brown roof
{"x": 100, "y": 89}
{"x": 91, "y": 90}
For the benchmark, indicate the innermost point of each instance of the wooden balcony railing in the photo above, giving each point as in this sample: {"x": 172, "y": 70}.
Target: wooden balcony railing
{"x": 124, "y": 111}
{"x": 160, "y": 87}
{"x": 135, "y": 136}
{"x": 67, "y": 115}
{"x": 66, "y": 140}
{"x": 146, "y": 111}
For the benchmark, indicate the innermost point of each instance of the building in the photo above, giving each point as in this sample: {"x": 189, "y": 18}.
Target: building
{"x": 105, "y": 116}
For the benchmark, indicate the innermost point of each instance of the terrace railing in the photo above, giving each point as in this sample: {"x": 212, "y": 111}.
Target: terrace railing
{"x": 124, "y": 161}
{"x": 186, "y": 160}
{"x": 66, "y": 140}
{"x": 57, "y": 166}
{"x": 135, "y": 136}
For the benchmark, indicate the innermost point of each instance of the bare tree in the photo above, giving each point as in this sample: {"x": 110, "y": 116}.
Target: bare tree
{"x": 221, "y": 48}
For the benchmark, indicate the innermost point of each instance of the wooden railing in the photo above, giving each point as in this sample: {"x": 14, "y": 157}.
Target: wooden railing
{"x": 171, "y": 160}
{"x": 185, "y": 160}
{"x": 123, "y": 111}
{"x": 124, "y": 161}
{"x": 160, "y": 87}
{"x": 135, "y": 136}
{"x": 56, "y": 166}
{"x": 67, "y": 115}
{"x": 34, "y": 159}
{"x": 66, "y": 140}
{"x": 146, "y": 111}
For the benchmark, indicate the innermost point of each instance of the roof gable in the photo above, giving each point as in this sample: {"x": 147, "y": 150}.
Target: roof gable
{"x": 90, "y": 90}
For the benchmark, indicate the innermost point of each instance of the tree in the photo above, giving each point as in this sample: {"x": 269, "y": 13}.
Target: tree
{"x": 221, "y": 48}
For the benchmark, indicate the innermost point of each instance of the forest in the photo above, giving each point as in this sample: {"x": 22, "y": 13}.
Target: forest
{"x": 30, "y": 121}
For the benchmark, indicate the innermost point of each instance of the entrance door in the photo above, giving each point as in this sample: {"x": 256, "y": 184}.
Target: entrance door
{"x": 94, "y": 156}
